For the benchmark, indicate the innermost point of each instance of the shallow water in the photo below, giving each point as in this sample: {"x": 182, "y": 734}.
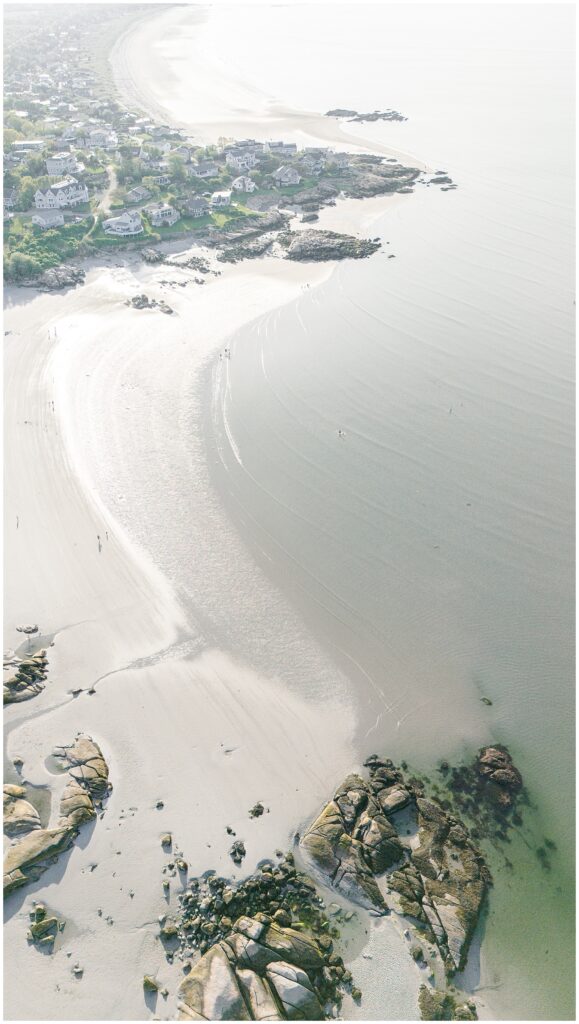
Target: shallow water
{"x": 430, "y": 548}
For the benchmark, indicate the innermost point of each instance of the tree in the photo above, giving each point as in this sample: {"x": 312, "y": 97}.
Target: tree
{"x": 177, "y": 165}
{"x": 20, "y": 266}
{"x": 26, "y": 194}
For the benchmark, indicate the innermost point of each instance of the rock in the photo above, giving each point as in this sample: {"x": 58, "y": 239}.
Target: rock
{"x": 294, "y": 991}
{"x": 19, "y": 815}
{"x": 314, "y": 246}
{"x": 56, "y": 278}
{"x": 26, "y": 861}
{"x": 376, "y": 115}
{"x": 152, "y": 256}
{"x": 211, "y": 991}
{"x": 257, "y": 810}
{"x": 28, "y": 680}
{"x": 167, "y": 839}
{"x": 258, "y": 995}
{"x": 496, "y": 769}
{"x": 87, "y": 785}
{"x": 350, "y": 840}
{"x": 237, "y": 851}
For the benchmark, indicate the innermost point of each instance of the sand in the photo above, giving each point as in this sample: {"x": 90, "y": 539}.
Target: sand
{"x": 178, "y": 720}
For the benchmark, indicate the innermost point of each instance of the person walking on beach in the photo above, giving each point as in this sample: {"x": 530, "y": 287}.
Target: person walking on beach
{"x": 99, "y": 542}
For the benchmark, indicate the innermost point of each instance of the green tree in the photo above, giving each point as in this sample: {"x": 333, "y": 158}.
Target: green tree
{"x": 177, "y": 165}
{"x": 21, "y": 266}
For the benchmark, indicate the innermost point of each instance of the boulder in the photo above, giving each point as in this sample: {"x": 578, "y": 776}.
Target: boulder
{"x": 26, "y": 860}
{"x": 211, "y": 990}
{"x": 258, "y": 996}
{"x": 295, "y": 992}
{"x": 19, "y": 814}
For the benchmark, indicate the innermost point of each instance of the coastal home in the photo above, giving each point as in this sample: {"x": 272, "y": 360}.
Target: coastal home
{"x": 184, "y": 152}
{"x": 126, "y": 224}
{"x": 162, "y": 214}
{"x": 60, "y": 163}
{"x": 197, "y": 207}
{"x": 204, "y": 169}
{"x": 242, "y": 160}
{"x": 28, "y": 145}
{"x": 285, "y": 176}
{"x": 138, "y": 194}
{"x": 243, "y": 184}
{"x": 313, "y": 164}
{"x": 162, "y": 179}
{"x": 280, "y": 148}
{"x": 9, "y": 198}
{"x": 48, "y": 219}
{"x": 68, "y": 192}
{"x": 102, "y": 138}
{"x": 341, "y": 160}
{"x": 220, "y": 199}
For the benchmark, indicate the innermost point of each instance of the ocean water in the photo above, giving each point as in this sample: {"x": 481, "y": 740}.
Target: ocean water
{"x": 429, "y": 550}
{"x": 431, "y": 546}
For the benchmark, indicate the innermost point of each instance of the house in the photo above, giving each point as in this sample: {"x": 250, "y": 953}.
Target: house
{"x": 28, "y": 145}
{"x": 281, "y": 148}
{"x": 162, "y": 214}
{"x": 204, "y": 169}
{"x": 285, "y": 176}
{"x": 162, "y": 179}
{"x": 241, "y": 160}
{"x": 61, "y": 163}
{"x": 126, "y": 224}
{"x": 243, "y": 184}
{"x": 102, "y": 138}
{"x": 48, "y": 219}
{"x": 341, "y": 160}
{"x": 184, "y": 152}
{"x": 221, "y": 199}
{"x": 197, "y": 207}
{"x": 138, "y": 194}
{"x": 10, "y": 198}
{"x": 313, "y": 163}
{"x": 68, "y": 192}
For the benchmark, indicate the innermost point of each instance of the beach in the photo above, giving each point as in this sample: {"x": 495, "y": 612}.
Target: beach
{"x": 258, "y": 606}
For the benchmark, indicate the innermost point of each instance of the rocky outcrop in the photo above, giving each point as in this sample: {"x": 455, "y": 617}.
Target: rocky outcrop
{"x": 502, "y": 781}
{"x": 376, "y": 115}
{"x": 439, "y": 879}
{"x": 144, "y": 302}
{"x": 352, "y": 840}
{"x": 86, "y": 787}
{"x": 443, "y": 883}
{"x": 261, "y": 971}
{"x": 28, "y": 680}
{"x": 435, "y": 1005}
{"x": 19, "y": 814}
{"x": 314, "y": 246}
{"x": 57, "y": 278}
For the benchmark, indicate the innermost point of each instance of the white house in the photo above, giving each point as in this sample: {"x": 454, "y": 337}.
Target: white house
{"x": 243, "y": 184}
{"x": 162, "y": 179}
{"x": 102, "y": 138}
{"x": 48, "y": 219}
{"x": 29, "y": 145}
{"x": 61, "y": 163}
{"x": 286, "y": 176}
{"x": 162, "y": 214}
{"x": 241, "y": 160}
{"x": 280, "y": 148}
{"x": 68, "y": 192}
{"x": 127, "y": 223}
{"x": 221, "y": 199}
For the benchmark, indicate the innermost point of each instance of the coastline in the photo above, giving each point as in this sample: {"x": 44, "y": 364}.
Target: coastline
{"x": 149, "y": 643}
